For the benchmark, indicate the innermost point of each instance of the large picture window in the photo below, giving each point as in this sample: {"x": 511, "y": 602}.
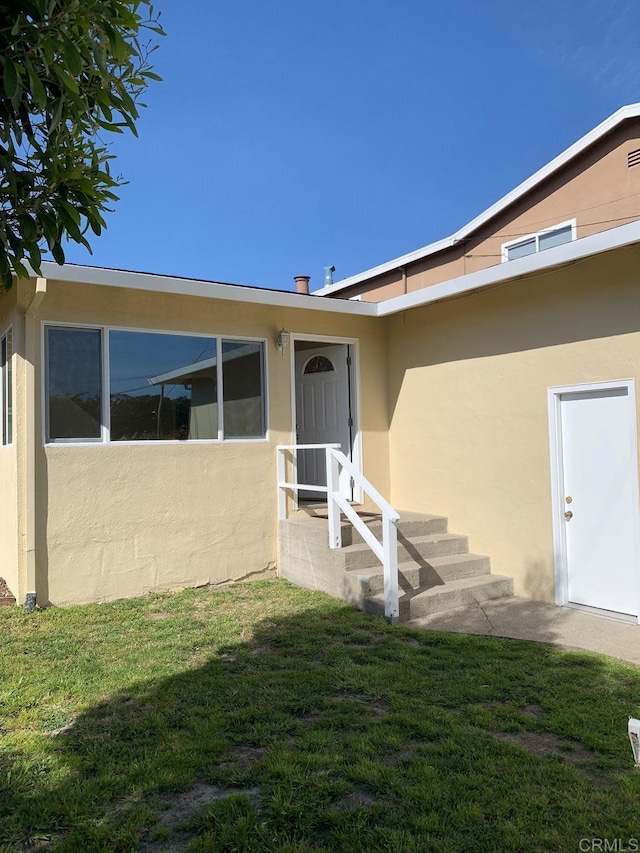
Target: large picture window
{"x": 6, "y": 361}
{"x": 161, "y": 386}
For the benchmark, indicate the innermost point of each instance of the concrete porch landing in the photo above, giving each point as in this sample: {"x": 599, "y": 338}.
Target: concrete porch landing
{"x": 522, "y": 619}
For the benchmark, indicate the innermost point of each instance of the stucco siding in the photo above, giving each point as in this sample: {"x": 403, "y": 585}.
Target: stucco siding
{"x": 468, "y": 401}
{"x": 118, "y": 520}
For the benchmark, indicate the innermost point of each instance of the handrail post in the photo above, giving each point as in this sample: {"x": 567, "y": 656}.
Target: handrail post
{"x": 333, "y": 510}
{"x": 282, "y": 478}
{"x": 390, "y": 567}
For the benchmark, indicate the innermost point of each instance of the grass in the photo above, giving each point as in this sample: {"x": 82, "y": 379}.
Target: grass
{"x": 262, "y": 717}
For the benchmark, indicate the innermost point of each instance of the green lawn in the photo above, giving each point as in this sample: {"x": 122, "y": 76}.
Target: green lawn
{"x": 262, "y": 717}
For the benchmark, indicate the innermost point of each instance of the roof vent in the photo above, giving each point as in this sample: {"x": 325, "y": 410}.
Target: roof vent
{"x": 633, "y": 158}
{"x": 328, "y": 275}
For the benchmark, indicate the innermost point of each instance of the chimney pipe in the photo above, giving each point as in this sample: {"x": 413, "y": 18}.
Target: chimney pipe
{"x": 328, "y": 275}
{"x": 302, "y": 284}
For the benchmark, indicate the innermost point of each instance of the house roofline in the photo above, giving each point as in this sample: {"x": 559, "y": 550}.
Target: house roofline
{"x": 567, "y": 253}
{"x": 540, "y": 262}
{"x": 79, "y": 274}
{"x": 623, "y": 114}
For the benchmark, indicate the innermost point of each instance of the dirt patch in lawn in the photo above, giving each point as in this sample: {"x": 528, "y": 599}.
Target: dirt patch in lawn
{"x": 378, "y": 706}
{"x": 359, "y": 797}
{"x": 182, "y": 808}
{"x": 546, "y": 743}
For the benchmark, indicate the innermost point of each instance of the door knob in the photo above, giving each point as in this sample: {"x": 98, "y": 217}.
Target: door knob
{"x": 568, "y": 514}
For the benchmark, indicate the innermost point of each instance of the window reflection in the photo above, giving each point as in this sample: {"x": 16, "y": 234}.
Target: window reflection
{"x": 243, "y": 389}
{"x": 74, "y": 383}
{"x": 163, "y": 387}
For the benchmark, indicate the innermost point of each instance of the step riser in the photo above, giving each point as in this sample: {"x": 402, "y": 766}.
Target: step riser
{"x": 406, "y": 529}
{"x": 414, "y": 608}
{"x": 411, "y": 552}
{"x": 416, "y": 577}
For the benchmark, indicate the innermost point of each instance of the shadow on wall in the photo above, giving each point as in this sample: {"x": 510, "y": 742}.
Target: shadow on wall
{"x": 591, "y": 299}
{"x": 318, "y": 715}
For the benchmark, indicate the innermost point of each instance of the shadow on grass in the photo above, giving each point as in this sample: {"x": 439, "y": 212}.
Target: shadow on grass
{"x": 329, "y": 730}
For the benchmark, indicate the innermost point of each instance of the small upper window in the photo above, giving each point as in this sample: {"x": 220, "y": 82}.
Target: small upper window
{"x": 318, "y": 364}
{"x": 546, "y": 239}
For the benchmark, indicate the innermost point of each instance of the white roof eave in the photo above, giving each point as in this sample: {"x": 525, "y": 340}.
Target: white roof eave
{"x": 208, "y": 289}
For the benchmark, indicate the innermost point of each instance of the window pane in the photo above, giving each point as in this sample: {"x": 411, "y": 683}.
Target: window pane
{"x": 528, "y": 247}
{"x": 74, "y": 383}
{"x": 555, "y": 238}
{"x": 163, "y": 387}
{"x": 243, "y": 389}
{"x": 7, "y": 352}
{"x": 3, "y": 365}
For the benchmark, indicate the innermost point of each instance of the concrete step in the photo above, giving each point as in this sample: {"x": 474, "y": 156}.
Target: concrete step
{"x": 411, "y": 524}
{"x": 418, "y": 549}
{"x": 458, "y": 593}
{"x": 436, "y": 571}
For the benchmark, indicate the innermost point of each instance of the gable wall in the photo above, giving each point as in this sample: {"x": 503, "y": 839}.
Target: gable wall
{"x": 598, "y": 189}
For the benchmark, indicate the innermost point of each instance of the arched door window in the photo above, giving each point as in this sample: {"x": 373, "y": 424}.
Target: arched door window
{"x": 318, "y": 364}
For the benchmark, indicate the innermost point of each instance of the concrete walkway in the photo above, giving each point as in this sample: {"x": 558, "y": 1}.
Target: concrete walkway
{"x": 522, "y": 619}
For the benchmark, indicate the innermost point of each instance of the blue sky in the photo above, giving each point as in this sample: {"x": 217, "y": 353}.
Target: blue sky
{"x": 291, "y": 135}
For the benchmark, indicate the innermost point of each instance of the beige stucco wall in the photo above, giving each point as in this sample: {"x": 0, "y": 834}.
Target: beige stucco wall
{"x": 468, "y": 401}
{"x": 597, "y": 188}
{"x": 9, "y": 463}
{"x": 117, "y": 520}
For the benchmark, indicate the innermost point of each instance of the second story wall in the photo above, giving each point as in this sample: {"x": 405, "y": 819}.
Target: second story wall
{"x": 599, "y": 189}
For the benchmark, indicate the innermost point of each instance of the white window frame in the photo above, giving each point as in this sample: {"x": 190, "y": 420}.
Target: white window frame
{"x": 105, "y": 439}
{"x": 573, "y": 223}
{"x": 4, "y": 413}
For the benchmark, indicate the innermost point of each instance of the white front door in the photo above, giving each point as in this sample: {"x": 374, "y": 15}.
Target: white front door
{"x": 599, "y": 500}
{"x": 323, "y": 412}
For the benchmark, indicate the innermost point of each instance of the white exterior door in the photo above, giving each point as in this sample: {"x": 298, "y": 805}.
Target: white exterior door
{"x": 323, "y": 412}
{"x": 600, "y": 498}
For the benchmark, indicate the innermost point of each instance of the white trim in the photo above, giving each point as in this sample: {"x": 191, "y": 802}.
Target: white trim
{"x": 194, "y": 287}
{"x": 571, "y": 223}
{"x": 557, "y": 477}
{"x": 609, "y": 124}
{"x": 105, "y": 439}
{"x": 604, "y": 241}
{"x": 356, "y": 410}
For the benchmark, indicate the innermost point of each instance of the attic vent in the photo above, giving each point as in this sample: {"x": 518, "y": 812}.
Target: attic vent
{"x": 633, "y": 158}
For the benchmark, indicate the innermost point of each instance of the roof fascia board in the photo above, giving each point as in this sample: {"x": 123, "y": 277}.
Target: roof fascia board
{"x": 604, "y": 241}
{"x": 209, "y": 290}
{"x": 624, "y": 113}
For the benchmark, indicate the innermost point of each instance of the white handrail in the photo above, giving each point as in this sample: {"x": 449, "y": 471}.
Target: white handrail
{"x": 385, "y": 551}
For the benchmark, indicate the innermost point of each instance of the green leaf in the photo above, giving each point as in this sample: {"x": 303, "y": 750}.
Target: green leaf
{"x": 35, "y": 256}
{"x": 10, "y": 78}
{"x": 38, "y": 92}
{"x": 28, "y": 226}
{"x": 58, "y": 253}
{"x": 72, "y": 58}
